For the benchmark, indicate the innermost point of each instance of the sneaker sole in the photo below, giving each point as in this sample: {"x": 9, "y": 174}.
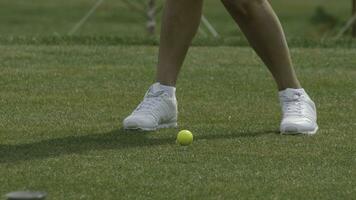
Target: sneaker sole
{"x": 300, "y": 132}
{"x": 160, "y": 126}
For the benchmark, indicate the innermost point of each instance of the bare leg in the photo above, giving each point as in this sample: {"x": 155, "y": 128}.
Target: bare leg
{"x": 181, "y": 19}
{"x": 263, "y": 30}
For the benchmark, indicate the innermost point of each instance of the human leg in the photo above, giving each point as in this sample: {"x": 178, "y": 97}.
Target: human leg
{"x": 181, "y": 20}
{"x": 159, "y": 108}
{"x": 263, "y": 30}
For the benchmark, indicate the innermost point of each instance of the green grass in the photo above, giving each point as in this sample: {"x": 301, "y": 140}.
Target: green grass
{"x": 62, "y": 107}
{"x": 55, "y": 17}
{"x": 154, "y": 41}
{"x": 62, "y": 101}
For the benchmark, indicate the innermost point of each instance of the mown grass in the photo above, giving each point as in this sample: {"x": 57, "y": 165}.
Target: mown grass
{"x": 154, "y": 41}
{"x": 114, "y": 18}
{"x": 62, "y": 100}
{"x": 62, "y": 107}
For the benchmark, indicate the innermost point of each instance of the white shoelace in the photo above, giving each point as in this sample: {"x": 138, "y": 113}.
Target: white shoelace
{"x": 150, "y": 102}
{"x": 294, "y": 106}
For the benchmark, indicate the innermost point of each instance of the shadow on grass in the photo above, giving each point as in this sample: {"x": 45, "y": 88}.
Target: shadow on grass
{"x": 117, "y": 139}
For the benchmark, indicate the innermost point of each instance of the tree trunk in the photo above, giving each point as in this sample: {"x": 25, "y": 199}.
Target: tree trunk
{"x": 151, "y": 17}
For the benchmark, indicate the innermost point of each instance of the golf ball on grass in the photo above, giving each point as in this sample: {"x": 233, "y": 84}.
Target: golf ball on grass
{"x": 185, "y": 138}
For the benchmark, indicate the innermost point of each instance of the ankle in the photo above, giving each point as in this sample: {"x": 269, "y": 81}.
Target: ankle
{"x": 294, "y": 90}
{"x": 170, "y": 90}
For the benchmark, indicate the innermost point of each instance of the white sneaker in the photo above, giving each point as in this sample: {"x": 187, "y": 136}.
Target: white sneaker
{"x": 299, "y": 112}
{"x": 157, "y": 110}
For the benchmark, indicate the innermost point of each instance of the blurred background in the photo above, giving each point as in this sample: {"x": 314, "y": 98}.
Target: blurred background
{"x": 127, "y": 19}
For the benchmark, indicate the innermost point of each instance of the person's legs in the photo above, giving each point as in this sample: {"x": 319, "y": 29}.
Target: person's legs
{"x": 181, "y": 20}
{"x": 262, "y": 28}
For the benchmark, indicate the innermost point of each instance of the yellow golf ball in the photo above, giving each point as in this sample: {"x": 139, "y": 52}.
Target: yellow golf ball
{"x": 185, "y": 137}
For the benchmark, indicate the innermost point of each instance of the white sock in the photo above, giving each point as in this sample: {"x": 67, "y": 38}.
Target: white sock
{"x": 170, "y": 90}
{"x": 293, "y": 90}
{"x": 300, "y": 90}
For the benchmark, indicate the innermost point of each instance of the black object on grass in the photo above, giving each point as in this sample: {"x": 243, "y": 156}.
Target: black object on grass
{"x": 26, "y": 195}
